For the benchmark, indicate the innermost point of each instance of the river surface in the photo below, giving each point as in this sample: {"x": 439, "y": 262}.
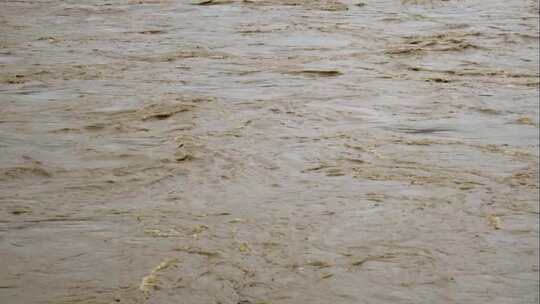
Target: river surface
{"x": 269, "y": 151}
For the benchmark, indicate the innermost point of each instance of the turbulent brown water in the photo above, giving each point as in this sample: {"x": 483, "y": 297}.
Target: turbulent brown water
{"x": 274, "y": 151}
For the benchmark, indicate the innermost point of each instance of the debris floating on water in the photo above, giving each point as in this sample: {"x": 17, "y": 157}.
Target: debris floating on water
{"x": 150, "y": 282}
{"x": 495, "y": 221}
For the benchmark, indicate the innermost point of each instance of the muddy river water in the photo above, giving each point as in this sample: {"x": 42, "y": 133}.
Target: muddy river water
{"x": 269, "y": 151}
